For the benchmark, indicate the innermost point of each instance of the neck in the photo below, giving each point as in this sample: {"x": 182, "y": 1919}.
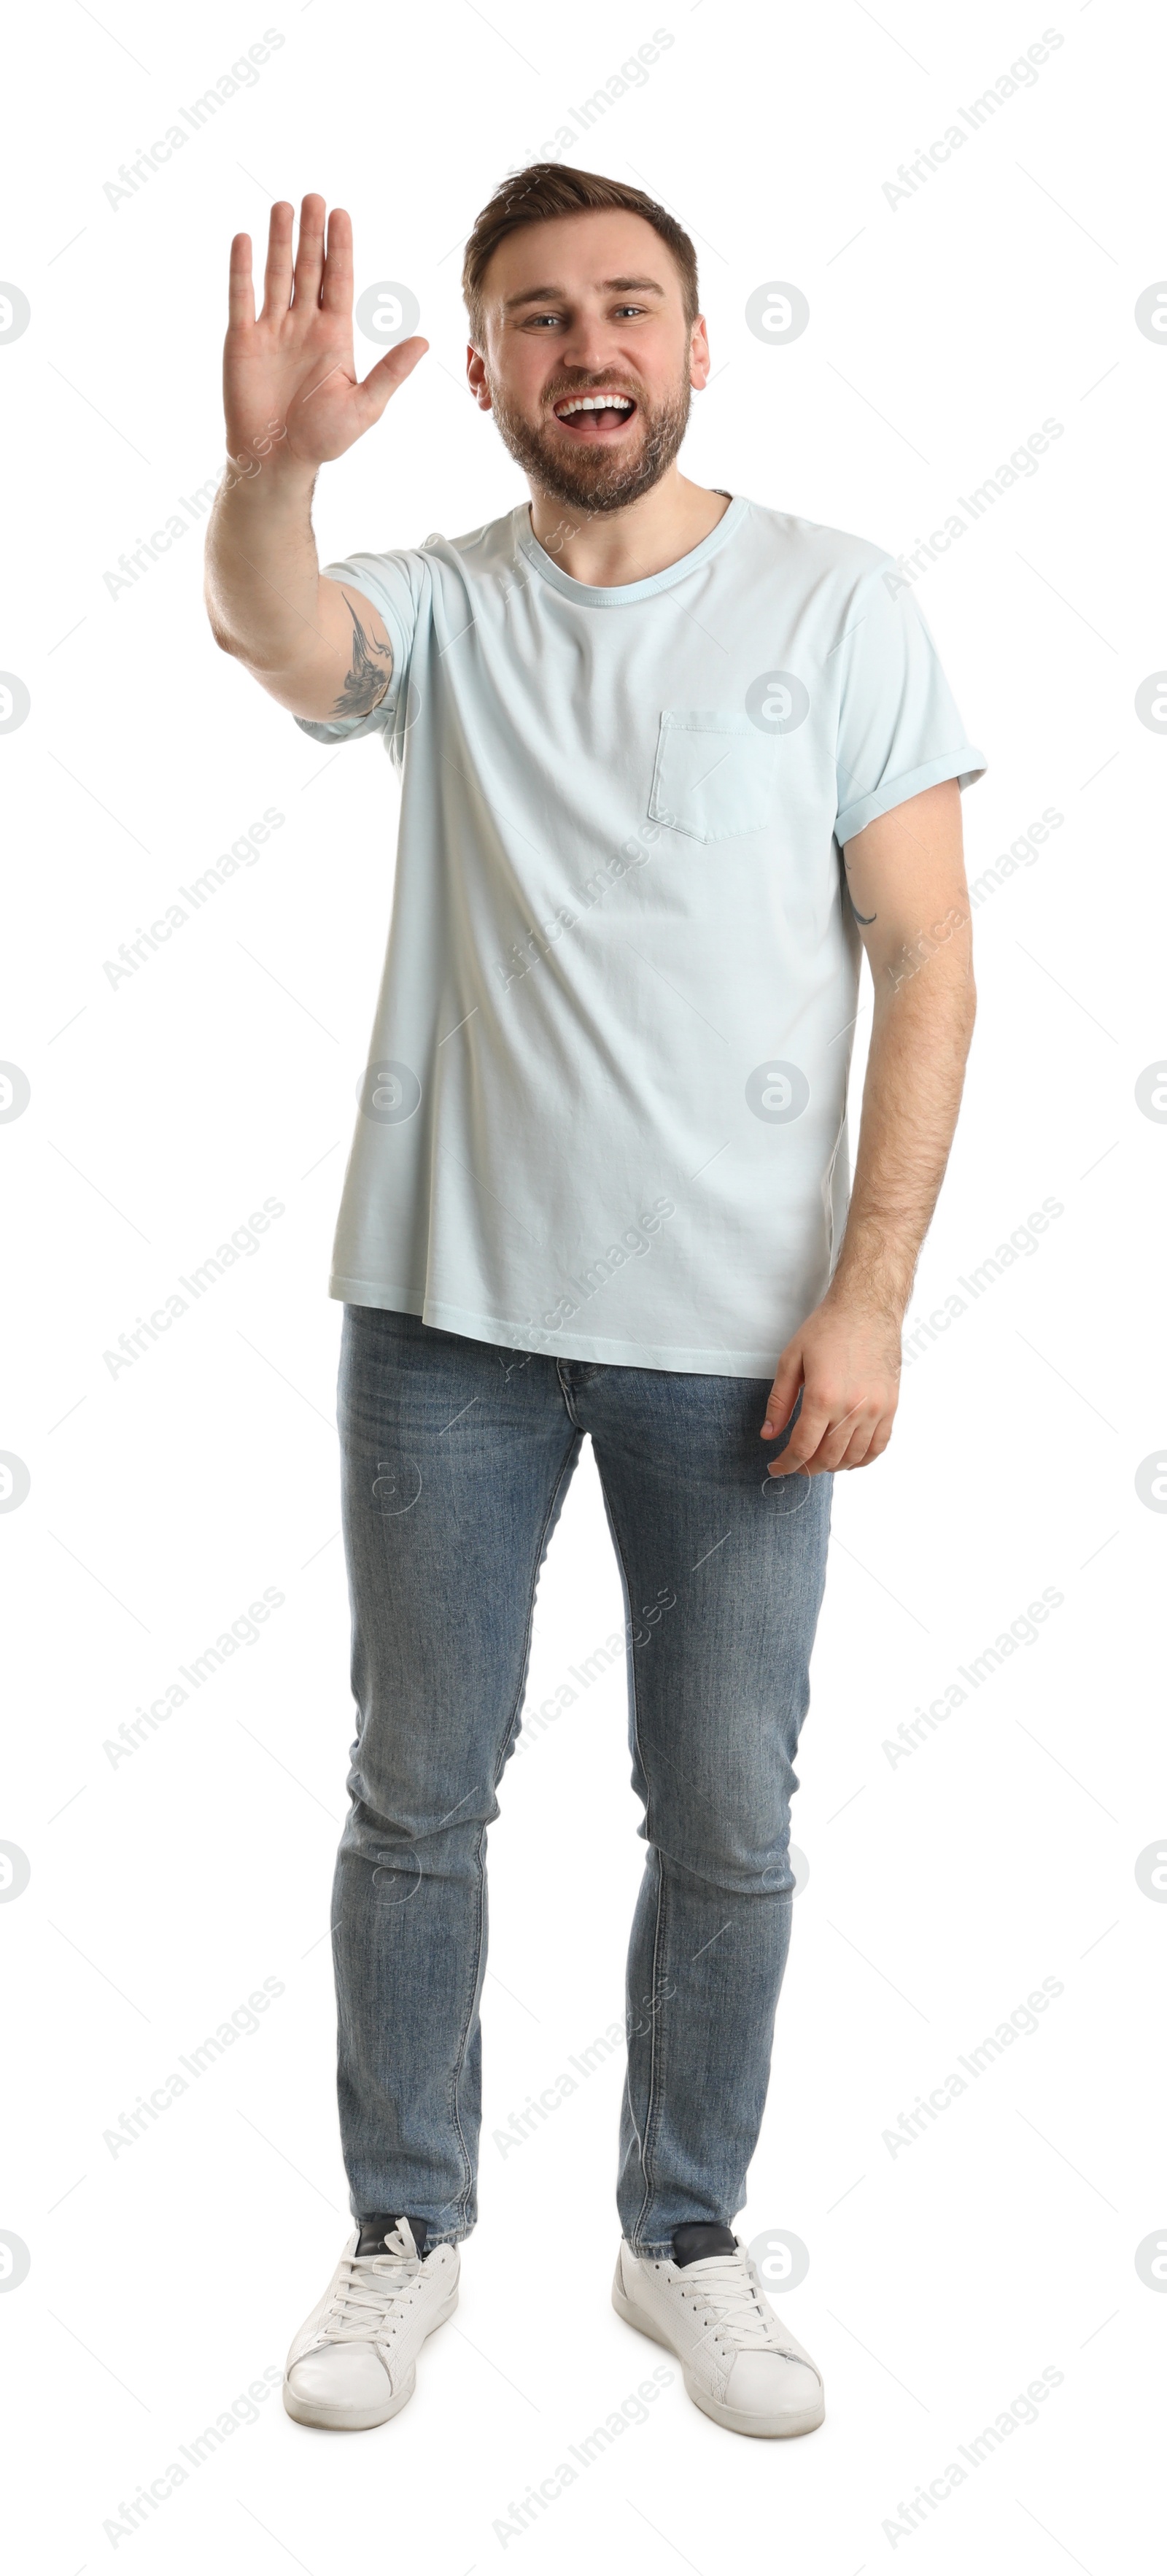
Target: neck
{"x": 617, "y": 546}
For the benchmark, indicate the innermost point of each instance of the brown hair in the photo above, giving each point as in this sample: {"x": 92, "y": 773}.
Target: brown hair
{"x": 547, "y": 189}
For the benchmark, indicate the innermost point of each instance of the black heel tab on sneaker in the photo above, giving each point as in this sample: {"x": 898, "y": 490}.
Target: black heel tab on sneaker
{"x": 699, "y": 2238}
{"x": 375, "y": 2230}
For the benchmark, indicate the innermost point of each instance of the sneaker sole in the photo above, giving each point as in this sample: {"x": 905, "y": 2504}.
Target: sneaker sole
{"x": 352, "y": 2419}
{"x": 807, "y": 2421}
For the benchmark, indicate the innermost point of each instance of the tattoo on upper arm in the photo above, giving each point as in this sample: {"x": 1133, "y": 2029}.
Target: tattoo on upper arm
{"x": 865, "y": 918}
{"x": 366, "y": 679}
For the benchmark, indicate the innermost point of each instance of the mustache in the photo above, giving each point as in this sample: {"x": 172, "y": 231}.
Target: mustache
{"x": 601, "y": 384}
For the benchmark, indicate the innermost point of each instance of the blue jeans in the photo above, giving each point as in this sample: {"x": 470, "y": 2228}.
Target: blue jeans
{"x": 456, "y": 1456}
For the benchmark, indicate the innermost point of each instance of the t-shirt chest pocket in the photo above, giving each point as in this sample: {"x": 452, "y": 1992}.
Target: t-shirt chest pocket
{"x": 715, "y": 773}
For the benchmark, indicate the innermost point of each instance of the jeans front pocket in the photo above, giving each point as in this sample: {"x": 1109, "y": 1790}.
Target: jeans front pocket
{"x": 714, "y": 775}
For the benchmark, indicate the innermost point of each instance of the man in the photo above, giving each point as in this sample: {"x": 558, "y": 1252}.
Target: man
{"x": 668, "y": 759}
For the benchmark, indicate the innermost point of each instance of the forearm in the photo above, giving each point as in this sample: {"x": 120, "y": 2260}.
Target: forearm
{"x": 911, "y": 1096}
{"x": 262, "y": 573}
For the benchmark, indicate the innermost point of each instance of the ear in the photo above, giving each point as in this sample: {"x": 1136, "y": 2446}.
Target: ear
{"x": 476, "y": 376}
{"x": 700, "y": 361}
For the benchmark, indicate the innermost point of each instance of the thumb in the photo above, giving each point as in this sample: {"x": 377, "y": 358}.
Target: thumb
{"x": 781, "y": 1399}
{"x": 384, "y": 379}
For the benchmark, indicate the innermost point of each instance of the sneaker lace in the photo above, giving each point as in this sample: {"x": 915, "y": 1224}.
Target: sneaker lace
{"x": 370, "y": 2294}
{"x": 726, "y": 2287}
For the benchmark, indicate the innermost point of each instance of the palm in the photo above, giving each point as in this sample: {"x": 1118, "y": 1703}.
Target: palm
{"x": 289, "y": 380}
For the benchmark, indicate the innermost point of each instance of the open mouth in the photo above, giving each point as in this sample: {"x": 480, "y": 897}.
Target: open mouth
{"x": 592, "y": 416}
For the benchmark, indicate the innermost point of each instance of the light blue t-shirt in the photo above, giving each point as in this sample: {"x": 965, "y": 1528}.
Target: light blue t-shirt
{"x": 603, "y": 1113}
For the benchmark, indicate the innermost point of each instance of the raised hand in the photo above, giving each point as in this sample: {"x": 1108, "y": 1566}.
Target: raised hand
{"x": 290, "y": 387}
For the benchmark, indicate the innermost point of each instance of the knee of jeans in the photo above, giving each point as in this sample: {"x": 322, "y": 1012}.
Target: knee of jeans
{"x": 411, "y": 1827}
{"x": 741, "y": 1853}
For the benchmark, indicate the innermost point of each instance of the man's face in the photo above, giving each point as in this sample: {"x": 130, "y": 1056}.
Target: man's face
{"x": 587, "y": 305}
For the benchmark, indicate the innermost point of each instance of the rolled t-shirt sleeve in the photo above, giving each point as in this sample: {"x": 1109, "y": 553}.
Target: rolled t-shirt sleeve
{"x": 899, "y": 729}
{"x": 393, "y": 583}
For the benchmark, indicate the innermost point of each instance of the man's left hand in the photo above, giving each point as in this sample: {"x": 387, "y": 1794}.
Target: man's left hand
{"x": 846, "y": 1358}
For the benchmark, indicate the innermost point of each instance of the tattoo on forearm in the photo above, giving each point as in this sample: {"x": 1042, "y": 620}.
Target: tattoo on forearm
{"x": 367, "y": 678}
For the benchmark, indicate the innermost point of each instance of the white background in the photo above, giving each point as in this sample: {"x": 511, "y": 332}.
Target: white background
{"x": 942, "y": 1887}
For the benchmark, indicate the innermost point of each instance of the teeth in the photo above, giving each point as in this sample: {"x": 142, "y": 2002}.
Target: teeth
{"x": 593, "y": 402}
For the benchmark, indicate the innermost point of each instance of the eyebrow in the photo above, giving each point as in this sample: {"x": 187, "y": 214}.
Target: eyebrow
{"x": 608, "y": 286}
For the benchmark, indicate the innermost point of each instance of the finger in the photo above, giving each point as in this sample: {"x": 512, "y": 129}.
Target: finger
{"x": 336, "y": 289}
{"x": 848, "y": 1444}
{"x": 846, "y": 1430}
{"x": 309, "y": 253}
{"x": 780, "y": 1401}
{"x": 383, "y": 379}
{"x": 854, "y": 1451}
{"x": 868, "y": 1442}
{"x": 240, "y": 291}
{"x": 277, "y": 275}
{"x": 813, "y": 1421}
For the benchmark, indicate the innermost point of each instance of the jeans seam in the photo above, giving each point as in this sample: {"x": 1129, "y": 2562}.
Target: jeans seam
{"x": 648, "y": 1821}
{"x": 650, "y": 2103}
{"x": 463, "y": 2205}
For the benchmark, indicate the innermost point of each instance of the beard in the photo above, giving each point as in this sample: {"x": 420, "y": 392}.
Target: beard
{"x": 594, "y": 478}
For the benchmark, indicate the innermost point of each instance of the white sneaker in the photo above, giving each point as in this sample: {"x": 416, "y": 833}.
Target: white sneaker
{"x": 741, "y": 2365}
{"x": 354, "y": 2360}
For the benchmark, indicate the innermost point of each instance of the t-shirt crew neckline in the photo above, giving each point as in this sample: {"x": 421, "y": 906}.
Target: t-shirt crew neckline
{"x": 624, "y": 594}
